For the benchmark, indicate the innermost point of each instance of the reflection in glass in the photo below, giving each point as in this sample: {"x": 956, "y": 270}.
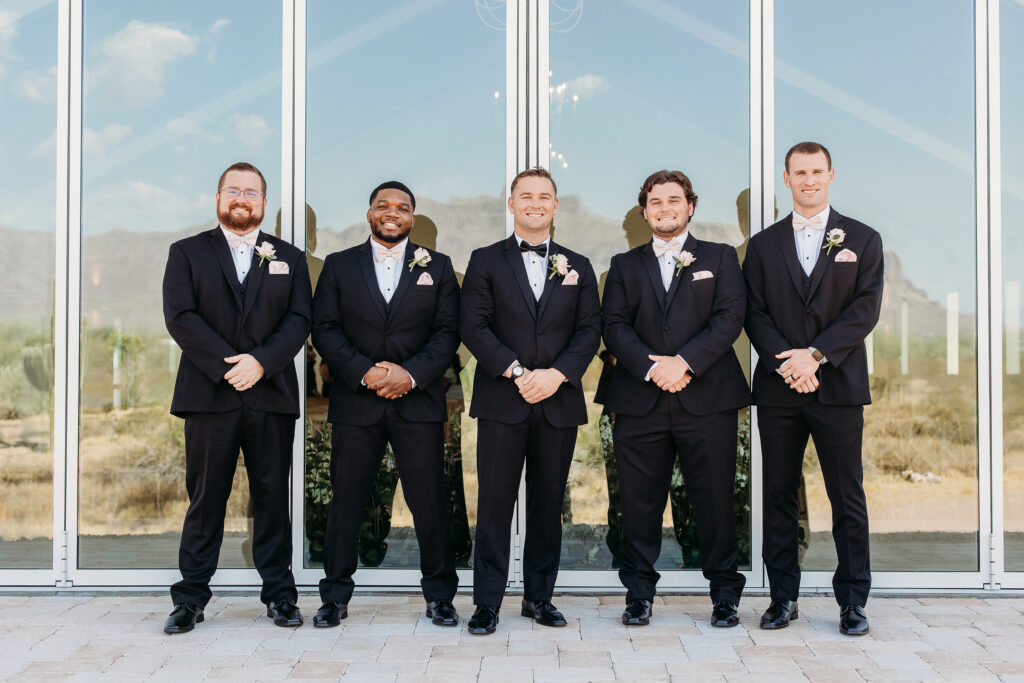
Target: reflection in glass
{"x": 435, "y": 120}
{"x": 174, "y": 93}
{"x": 684, "y": 94}
{"x": 1011, "y": 43}
{"x": 28, "y": 100}
{"x": 899, "y": 124}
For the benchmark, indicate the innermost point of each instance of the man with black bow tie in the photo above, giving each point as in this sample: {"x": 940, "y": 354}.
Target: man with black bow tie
{"x": 532, "y": 319}
{"x": 814, "y": 293}
{"x": 385, "y": 320}
{"x": 237, "y": 302}
{"x": 672, "y": 309}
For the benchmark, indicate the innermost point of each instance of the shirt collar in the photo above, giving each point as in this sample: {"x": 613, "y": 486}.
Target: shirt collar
{"x": 228, "y": 234}
{"x": 824, "y": 213}
{"x": 680, "y": 237}
{"x": 380, "y": 247}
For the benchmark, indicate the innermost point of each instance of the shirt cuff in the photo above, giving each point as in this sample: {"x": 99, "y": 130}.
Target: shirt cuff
{"x": 647, "y": 377}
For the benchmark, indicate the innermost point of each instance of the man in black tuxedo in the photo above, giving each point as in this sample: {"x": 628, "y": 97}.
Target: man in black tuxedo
{"x": 385, "y": 320}
{"x": 237, "y": 302}
{"x": 814, "y": 292}
{"x": 532, "y": 319}
{"x": 672, "y": 309}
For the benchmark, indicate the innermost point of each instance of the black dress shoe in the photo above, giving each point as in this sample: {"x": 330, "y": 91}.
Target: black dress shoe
{"x": 725, "y": 614}
{"x": 853, "y": 621}
{"x": 442, "y": 613}
{"x": 183, "y": 618}
{"x": 330, "y": 614}
{"x": 484, "y": 621}
{"x": 543, "y": 612}
{"x": 637, "y": 613}
{"x": 779, "y": 614}
{"x": 284, "y": 613}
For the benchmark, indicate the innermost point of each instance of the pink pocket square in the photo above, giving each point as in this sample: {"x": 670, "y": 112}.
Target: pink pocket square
{"x": 703, "y": 275}
{"x": 425, "y": 279}
{"x": 278, "y": 268}
{"x": 846, "y": 256}
{"x": 571, "y": 278}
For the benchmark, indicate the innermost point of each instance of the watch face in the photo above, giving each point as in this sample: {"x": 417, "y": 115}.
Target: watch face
{"x": 517, "y": 372}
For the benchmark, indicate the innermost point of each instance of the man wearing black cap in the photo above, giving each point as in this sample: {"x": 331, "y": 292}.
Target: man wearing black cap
{"x": 385, "y": 320}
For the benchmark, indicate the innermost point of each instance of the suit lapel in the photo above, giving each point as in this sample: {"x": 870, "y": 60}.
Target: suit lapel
{"x": 549, "y": 282}
{"x": 689, "y": 245}
{"x": 650, "y": 261}
{"x": 824, "y": 261}
{"x": 254, "y": 279}
{"x": 404, "y": 279}
{"x": 515, "y": 262}
{"x": 370, "y": 276}
{"x": 787, "y": 244}
{"x": 220, "y": 247}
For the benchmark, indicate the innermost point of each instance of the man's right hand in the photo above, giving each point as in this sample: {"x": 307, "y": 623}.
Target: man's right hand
{"x": 374, "y": 375}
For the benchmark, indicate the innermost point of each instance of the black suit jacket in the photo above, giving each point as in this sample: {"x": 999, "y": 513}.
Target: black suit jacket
{"x": 353, "y": 328}
{"x": 210, "y": 319}
{"x": 501, "y": 322}
{"x": 696, "y": 319}
{"x": 833, "y": 310}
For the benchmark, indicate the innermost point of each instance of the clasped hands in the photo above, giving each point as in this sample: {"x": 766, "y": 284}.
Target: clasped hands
{"x": 670, "y": 373}
{"x": 537, "y": 385}
{"x": 245, "y": 373}
{"x": 389, "y": 380}
{"x": 800, "y": 371}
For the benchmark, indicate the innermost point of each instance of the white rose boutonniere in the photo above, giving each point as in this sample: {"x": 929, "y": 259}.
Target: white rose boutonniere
{"x": 559, "y": 265}
{"x": 421, "y": 257}
{"x": 834, "y": 238}
{"x": 684, "y": 260}
{"x": 266, "y": 252}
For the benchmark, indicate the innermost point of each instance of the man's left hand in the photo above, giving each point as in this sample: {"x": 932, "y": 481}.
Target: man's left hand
{"x": 800, "y": 370}
{"x": 540, "y": 384}
{"x": 245, "y": 373}
{"x": 397, "y": 383}
{"x": 670, "y": 374}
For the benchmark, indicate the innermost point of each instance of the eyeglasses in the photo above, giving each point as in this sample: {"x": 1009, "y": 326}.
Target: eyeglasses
{"x": 235, "y": 193}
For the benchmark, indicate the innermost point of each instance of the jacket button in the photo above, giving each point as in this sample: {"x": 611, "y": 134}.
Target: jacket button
{"x": 668, "y": 327}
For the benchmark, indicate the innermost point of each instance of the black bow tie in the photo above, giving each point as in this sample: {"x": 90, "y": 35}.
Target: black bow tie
{"x": 541, "y": 248}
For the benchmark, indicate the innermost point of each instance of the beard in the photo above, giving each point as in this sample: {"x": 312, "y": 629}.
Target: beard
{"x": 386, "y": 238}
{"x": 241, "y": 223}
{"x": 668, "y": 230}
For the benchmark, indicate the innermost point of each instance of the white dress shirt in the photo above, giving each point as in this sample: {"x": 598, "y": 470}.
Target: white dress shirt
{"x": 809, "y": 240}
{"x": 242, "y": 254}
{"x": 667, "y": 263}
{"x": 389, "y": 271}
{"x": 536, "y": 267}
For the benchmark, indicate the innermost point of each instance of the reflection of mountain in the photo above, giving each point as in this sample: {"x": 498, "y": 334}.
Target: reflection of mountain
{"x": 122, "y": 271}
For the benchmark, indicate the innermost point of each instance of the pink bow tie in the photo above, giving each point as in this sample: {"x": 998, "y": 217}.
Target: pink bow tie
{"x": 671, "y": 247}
{"x": 235, "y": 241}
{"x": 799, "y": 222}
{"x": 393, "y": 254}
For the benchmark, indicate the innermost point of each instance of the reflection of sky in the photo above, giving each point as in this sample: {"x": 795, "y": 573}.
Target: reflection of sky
{"x": 416, "y": 102}
{"x": 1011, "y": 45}
{"x": 901, "y": 136}
{"x": 652, "y": 96}
{"x": 174, "y": 93}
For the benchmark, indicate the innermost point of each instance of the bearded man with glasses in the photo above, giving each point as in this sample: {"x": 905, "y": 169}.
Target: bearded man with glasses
{"x": 238, "y": 302}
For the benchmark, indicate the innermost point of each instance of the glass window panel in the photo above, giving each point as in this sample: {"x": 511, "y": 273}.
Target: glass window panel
{"x": 174, "y": 93}
{"x": 673, "y": 94}
{"x": 417, "y": 94}
{"x": 899, "y": 122}
{"x": 1011, "y": 67}
{"x": 28, "y": 100}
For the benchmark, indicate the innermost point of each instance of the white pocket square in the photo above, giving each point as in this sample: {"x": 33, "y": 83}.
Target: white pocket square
{"x": 278, "y": 268}
{"x": 703, "y": 275}
{"x": 571, "y": 278}
{"x": 425, "y": 279}
{"x": 846, "y": 256}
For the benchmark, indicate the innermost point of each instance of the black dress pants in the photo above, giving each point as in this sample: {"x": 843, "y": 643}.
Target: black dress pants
{"x": 837, "y": 432}
{"x": 356, "y": 454}
{"x": 212, "y": 442}
{"x": 502, "y": 451}
{"x": 645, "y": 450}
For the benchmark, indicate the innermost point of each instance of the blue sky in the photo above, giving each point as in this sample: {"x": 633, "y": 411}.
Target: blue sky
{"x": 174, "y": 92}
